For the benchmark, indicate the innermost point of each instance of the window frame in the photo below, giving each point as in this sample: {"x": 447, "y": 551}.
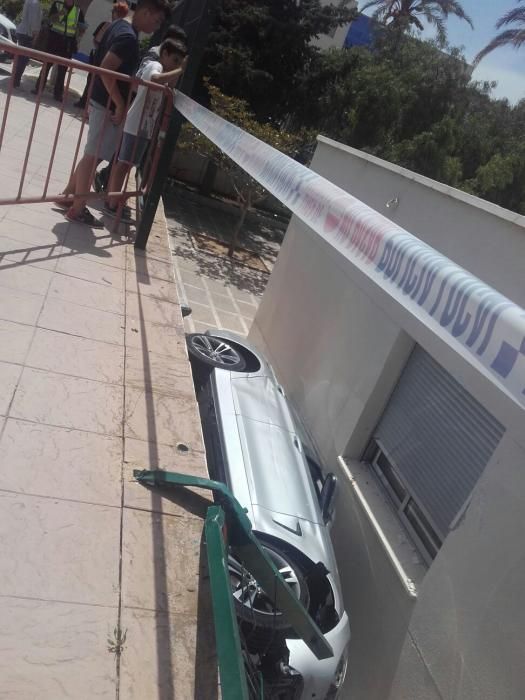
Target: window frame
{"x": 430, "y": 535}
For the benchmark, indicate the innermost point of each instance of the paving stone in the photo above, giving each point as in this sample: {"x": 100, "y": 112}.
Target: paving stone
{"x": 161, "y": 418}
{"x": 16, "y": 305}
{"x": 91, "y": 271}
{"x": 153, "y": 310}
{"x": 177, "y": 647}
{"x": 15, "y": 253}
{"x": 9, "y": 378}
{"x": 80, "y": 357}
{"x": 224, "y": 303}
{"x": 146, "y": 266}
{"x": 203, "y": 314}
{"x": 15, "y": 339}
{"x": 60, "y": 463}
{"x": 197, "y": 295}
{"x": 189, "y": 277}
{"x": 70, "y": 402}
{"x": 154, "y": 547}
{"x": 161, "y": 373}
{"x": 152, "y": 337}
{"x": 145, "y": 285}
{"x": 78, "y": 320}
{"x": 241, "y": 295}
{"x": 26, "y": 279}
{"x": 139, "y": 454}
{"x": 57, "y": 550}
{"x": 231, "y": 322}
{"x": 200, "y": 327}
{"x": 56, "y": 650}
{"x": 95, "y": 296}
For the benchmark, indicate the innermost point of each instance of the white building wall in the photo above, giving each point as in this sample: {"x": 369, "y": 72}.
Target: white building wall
{"x": 97, "y": 11}
{"x": 338, "y": 344}
{"x": 337, "y": 40}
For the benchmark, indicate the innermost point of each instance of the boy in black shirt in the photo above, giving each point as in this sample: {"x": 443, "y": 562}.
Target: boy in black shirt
{"x": 118, "y": 51}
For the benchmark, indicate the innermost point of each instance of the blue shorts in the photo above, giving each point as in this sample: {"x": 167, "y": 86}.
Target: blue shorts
{"x": 130, "y": 142}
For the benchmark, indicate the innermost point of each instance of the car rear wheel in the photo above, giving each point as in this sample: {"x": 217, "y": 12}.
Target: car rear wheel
{"x": 215, "y": 352}
{"x": 252, "y": 603}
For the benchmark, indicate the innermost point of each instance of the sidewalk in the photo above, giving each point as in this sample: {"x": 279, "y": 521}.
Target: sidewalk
{"x": 222, "y": 293}
{"x": 102, "y": 592}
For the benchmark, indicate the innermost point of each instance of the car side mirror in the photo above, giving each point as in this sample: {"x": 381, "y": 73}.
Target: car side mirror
{"x": 328, "y": 497}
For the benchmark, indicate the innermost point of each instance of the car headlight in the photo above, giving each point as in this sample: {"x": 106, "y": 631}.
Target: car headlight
{"x": 336, "y": 686}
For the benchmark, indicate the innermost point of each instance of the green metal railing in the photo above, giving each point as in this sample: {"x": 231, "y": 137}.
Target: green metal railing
{"x": 239, "y": 681}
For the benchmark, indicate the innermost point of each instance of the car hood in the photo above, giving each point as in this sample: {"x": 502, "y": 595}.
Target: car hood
{"x": 277, "y": 471}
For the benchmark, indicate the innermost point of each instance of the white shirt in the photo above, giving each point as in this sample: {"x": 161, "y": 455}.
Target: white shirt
{"x": 31, "y": 18}
{"x": 147, "y": 101}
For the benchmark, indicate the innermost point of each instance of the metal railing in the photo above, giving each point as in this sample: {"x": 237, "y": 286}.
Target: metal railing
{"x": 148, "y": 167}
{"x": 228, "y": 528}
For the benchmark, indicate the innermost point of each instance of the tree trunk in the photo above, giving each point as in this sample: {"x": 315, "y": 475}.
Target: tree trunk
{"x": 246, "y": 203}
{"x": 208, "y": 180}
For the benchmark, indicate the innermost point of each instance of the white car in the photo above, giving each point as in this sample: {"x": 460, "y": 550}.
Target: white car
{"x": 7, "y": 35}
{"x": 257, "y": 446}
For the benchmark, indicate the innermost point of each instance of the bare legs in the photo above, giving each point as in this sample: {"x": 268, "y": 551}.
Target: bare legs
{"x": 116, "y": 180}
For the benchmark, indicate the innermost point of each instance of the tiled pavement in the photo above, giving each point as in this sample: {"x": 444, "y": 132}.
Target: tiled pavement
{"x": 221, "y": 293}
{"x": 94, "y": 382}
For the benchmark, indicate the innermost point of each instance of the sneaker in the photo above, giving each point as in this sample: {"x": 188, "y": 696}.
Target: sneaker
{"x": 125, "y": 215}
{"x": 85, "y": 217}
{"x": 98, "y": 183}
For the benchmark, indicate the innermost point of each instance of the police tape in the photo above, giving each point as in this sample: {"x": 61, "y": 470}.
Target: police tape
{"x": 478, "y": 322}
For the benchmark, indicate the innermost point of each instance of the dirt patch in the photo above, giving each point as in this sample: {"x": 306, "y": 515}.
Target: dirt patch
{"x": 212, "y": 246}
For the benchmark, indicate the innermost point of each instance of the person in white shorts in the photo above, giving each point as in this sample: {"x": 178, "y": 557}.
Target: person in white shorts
{"x": 143, "y": 114}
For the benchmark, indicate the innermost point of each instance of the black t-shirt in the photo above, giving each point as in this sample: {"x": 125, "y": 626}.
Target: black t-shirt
{"x": 121, "y": 39}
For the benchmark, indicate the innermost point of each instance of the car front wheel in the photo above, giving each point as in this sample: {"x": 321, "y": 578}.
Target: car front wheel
{"x": 215, "y": 352}
{"x": 252, "y": 603}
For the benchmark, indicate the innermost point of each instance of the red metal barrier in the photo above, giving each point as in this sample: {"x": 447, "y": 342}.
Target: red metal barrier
{"x": 155, "y": 144}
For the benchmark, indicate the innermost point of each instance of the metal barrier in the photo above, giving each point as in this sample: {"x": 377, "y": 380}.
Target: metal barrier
{"x": 148, "y": 169}
{"x": 228, "y": 526}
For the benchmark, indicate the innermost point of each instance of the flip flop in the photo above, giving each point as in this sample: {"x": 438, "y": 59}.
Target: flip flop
{"x": 85, "y": 217}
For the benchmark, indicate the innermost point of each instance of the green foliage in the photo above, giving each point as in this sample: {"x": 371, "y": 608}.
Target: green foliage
{"x": 403, "y": 15}
{"x": 414, "y": 104}
{"x": 236, "y": 111}
{"x": 513, "y": 34}
{"x": 256, "y": 49}
{"x": 12, "y": 9}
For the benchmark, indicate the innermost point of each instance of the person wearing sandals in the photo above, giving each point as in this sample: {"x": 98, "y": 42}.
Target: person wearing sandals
{"x": 143, "y": 115}
{"x": 118, "y": 52}
{"x": 153, "y": 53}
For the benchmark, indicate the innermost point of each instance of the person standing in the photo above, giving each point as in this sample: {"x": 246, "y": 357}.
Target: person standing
{"x": 66, "y": 22}
{"x": 120, "y": 10}
{"x": 26, "y": 33}
{"x": 118, "y": 52}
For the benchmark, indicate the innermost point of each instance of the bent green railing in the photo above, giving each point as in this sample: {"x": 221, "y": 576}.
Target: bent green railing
{"x": 235, "y": 684}
{"x": 227, "y": 511}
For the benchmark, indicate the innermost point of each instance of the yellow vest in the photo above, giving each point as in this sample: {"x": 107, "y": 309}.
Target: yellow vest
{"x": 68, "y": 24}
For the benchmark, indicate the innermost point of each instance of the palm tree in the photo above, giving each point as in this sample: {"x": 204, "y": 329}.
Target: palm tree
{"x": 510, "y": 37}
{"x": 403, "y": 14}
